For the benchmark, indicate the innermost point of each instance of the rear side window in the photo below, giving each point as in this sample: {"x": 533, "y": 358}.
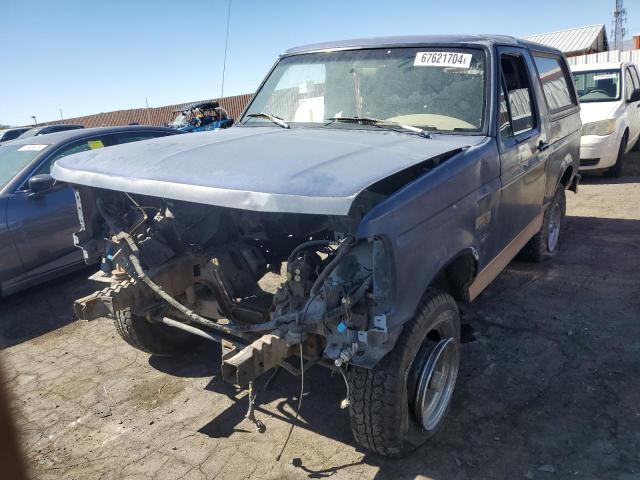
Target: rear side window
{"x": 138, "y": 136}
{"x": 518, "y": 106}
{"x": 555, "y": 82}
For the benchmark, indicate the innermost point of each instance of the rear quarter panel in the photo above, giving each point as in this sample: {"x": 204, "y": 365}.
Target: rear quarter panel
{"x": 564, "y": 138}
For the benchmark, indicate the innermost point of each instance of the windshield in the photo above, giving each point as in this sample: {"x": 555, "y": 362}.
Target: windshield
{"x": 13, "y": 158}
{"x": 439, "y": 88}
{"x": 598, "y": 86}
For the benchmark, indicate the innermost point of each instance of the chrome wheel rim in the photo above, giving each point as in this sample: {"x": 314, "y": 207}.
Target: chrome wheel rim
{"x": 554, "y": 228}
{"x": 436, "y": 383}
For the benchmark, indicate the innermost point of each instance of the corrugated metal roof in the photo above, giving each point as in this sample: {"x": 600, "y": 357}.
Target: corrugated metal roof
{"x": 153, "y": 116}
{"x": 572, "y": 40}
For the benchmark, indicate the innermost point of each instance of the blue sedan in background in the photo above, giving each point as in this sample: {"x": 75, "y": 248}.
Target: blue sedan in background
{"x": 38, "y": 215}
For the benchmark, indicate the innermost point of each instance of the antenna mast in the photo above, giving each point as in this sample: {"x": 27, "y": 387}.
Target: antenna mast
{"x": 618, "y": 25}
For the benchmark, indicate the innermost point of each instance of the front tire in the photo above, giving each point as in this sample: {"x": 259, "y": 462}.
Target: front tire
{"x": 616, "y": 170}
{"x": 402, "y": 402}
{"x": 154, "y": 338}
{"x": 546, "y": 243}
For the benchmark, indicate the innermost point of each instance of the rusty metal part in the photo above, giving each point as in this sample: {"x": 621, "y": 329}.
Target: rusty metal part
{"x": 174, "y": 277}
{"x": 131, "y": 263}
{"x": 265, "y": 353}
{"x": 101, "y": 303}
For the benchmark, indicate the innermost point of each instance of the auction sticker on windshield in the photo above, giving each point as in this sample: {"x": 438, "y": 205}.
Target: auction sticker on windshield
{"x": 32, "y": 148}
{"x": 442, "y": 59}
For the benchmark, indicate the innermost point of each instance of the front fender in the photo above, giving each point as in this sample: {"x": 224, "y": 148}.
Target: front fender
{"x": 430, "y": 220}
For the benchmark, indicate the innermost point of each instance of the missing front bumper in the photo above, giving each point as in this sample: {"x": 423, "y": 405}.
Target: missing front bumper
{"x": 242, "y": 366}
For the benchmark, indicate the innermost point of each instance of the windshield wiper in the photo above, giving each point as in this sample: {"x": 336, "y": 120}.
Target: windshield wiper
{"x": 277, "y": 120}
{"x": 377, "y": 122}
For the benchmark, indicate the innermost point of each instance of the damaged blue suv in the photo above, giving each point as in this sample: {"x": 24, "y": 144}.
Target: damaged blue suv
{"x": 386, "y": 180}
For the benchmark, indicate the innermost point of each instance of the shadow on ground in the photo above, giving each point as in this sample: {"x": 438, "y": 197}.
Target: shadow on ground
{"x": 43, "y": 308}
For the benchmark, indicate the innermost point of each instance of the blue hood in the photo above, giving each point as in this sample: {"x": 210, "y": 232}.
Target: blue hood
{"x": 300, "y": 170}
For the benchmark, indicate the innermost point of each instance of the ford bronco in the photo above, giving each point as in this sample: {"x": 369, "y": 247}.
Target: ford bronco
{"x": 385, "y": 179}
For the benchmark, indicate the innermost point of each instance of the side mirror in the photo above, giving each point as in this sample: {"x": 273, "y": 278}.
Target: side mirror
{"x": 39, "y": 184}
{"x": 635, "y": 96}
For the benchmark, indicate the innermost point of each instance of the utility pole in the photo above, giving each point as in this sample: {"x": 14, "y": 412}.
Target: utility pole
{"x": 148, "y": 114}
{"x": 618, "y": 30}
{"x": 61, "y": 117}
{"x": 226, "y": 43}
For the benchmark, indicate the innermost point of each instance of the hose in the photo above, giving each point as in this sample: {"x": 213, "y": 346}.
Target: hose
{"x": 343, "y": 249}
{"x": 188, "y": 328}
{"x": 310, "y": 243}
{"x": 140, "y": 274}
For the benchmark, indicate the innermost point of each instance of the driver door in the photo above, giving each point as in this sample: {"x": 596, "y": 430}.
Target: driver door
{"x": 42, "y": 225}
{"x": 522, "y": 144}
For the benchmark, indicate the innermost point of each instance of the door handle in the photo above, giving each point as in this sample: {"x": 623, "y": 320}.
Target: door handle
{"x": 542, "y": 146}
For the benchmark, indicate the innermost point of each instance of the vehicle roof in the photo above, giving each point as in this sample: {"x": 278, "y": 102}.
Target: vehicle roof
{"x": 598, "y": 66}
{"x": 16, "y": 128}
{"x": 408, "y": 40}
{"x": 42, "y": 127}
{"x": 65, "y": 135}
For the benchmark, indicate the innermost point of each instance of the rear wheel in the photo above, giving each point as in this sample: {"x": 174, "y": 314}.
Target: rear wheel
{"x": 546, "y": 242}
{"x": 400, "y": 403}
{"x": 154, "y": 338}
{"x": 616, "y": 170}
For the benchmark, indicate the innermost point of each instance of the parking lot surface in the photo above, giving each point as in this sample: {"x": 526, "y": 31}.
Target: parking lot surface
{"x": 549, "y": 385}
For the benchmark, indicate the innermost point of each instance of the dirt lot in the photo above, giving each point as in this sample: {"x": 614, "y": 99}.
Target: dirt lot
{"x": 549, "y": 386}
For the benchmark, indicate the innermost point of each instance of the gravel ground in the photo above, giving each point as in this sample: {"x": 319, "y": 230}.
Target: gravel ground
{"x": 549, "y": 385}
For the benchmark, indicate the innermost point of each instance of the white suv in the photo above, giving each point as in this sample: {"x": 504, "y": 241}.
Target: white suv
{"x": 610, "y": 111}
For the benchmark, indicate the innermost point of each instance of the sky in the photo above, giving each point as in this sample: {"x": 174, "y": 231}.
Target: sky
{"x": 92, "y": 56}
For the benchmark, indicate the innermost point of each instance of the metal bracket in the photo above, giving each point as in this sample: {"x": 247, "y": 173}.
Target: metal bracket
{"x": 265, "y": 353}
{"x": 380, "y": 322}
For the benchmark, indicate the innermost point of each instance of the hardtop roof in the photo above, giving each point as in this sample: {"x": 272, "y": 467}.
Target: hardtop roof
{"x": 415, "y": 40}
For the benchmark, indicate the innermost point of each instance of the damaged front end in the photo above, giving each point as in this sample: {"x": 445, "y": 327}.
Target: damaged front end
{"x": 213, "y": 272}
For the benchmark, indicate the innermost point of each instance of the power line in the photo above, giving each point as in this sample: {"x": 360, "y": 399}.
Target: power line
{"x": 226, "y": 43}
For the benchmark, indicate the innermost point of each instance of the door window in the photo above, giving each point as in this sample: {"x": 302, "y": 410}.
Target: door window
{"x": 504, "y": 119}
{"x": 138, "y": 136}
{"x": 554, "y": 81}
{"x": 76, "y": 147}
{"x": 519, "y": 99}
{"x": 628, "y": 84}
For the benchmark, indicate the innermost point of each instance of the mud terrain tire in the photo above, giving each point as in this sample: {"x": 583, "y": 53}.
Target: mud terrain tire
{"x": 541, "y": 247}
{"x": 153, "y": 338}
{"x": 383, "y": 419}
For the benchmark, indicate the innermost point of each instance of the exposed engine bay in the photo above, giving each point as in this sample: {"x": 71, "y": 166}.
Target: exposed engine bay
{"x": 198, "y": 268}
